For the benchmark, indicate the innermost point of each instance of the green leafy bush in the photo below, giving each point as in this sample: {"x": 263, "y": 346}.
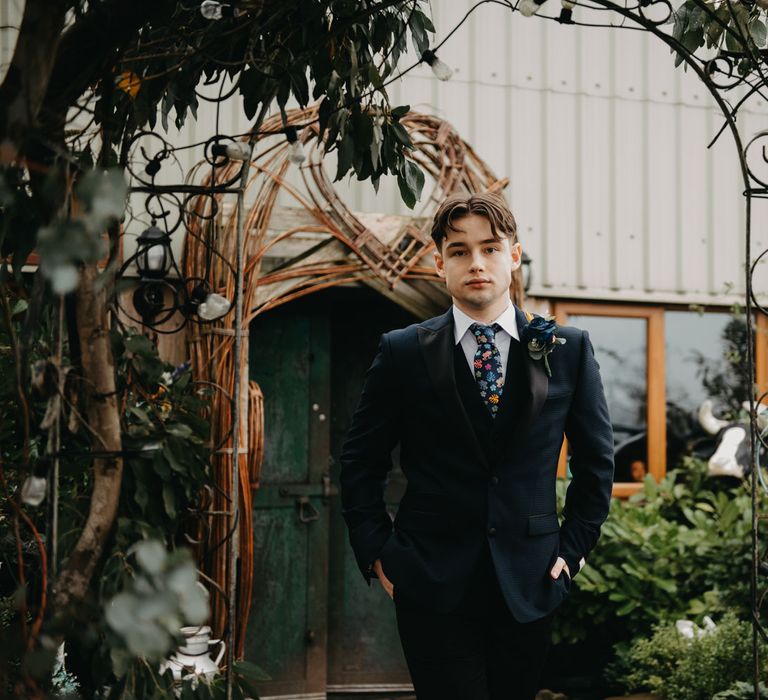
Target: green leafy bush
{"x": 742, "y": 691}
{"x": 677, "y": 549}
{"x": 678, "y": 668}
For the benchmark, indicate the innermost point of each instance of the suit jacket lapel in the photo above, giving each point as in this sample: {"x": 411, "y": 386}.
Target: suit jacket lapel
{"x": 536, "y": 375}
{"x": 437, "y": 343}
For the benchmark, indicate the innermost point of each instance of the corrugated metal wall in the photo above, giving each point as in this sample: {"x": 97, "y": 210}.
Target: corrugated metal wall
{"x": 605, "y": 145}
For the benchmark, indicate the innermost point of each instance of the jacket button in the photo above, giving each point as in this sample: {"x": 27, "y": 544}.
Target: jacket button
{"x": 494, "y": 480}
{"x": 491, "y": 531}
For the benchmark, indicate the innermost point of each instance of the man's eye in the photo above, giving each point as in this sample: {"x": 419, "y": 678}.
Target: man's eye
{"x": 457, "y": 252}
{"x": 491, "y": 250}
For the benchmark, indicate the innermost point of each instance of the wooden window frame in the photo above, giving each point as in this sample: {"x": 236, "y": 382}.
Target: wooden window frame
{"x": 761, "y": 354}
{"x": 656, "y": 418}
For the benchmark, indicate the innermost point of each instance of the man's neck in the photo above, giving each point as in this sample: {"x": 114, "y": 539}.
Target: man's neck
{"x": 486, "y": 314}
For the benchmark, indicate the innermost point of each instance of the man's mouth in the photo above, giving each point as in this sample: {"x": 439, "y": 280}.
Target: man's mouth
{"x": 478, "y": 283}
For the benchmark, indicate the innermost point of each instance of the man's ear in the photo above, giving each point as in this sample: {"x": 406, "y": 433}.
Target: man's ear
{"x": 439, "y": 266}
{"x": 516, "y": 251}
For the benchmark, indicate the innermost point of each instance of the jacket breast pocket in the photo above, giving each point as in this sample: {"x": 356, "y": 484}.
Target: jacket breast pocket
{"x": 543, "y": 524}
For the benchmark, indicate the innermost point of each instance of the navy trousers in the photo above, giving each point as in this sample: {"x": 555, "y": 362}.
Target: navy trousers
{"x": 477, "y": 651}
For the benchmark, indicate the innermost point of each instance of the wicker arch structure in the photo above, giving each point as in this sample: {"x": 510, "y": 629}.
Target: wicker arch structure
{"x": 389, "y": 253}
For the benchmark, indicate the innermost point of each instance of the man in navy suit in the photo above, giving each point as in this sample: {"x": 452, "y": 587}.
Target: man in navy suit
{"x": 478, "y": 399}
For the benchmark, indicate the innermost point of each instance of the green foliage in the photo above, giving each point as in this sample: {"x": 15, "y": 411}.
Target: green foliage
{"x": 677, "y": 549}
{"x": 67, "y": 242}
{"x": 144, "y": 621}
{"x": 679, "y": 668}
{"x": 165, "y": 439}
{"x": 736, "y": 27}
{"x": 338, "y": 51}
{"x": 143, "y": 682}
{"x": 166, "y": 468}
{"x": 148, "y": 613}
{"x": 742, "y": 691}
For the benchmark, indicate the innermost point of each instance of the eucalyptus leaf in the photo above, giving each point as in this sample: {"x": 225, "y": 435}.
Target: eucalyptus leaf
{"x": 758, "y": 32}
{"x": 251, "y": 671}
{"x": 406, "y": 193}
{"x": 345, "y": 153}
{"x": 104, "y": 194}
{"x": 414, "y": 177}
{"x": 169, "y": 500}
{"x": 151, "y": 555}
{"x": 401, "y": 111}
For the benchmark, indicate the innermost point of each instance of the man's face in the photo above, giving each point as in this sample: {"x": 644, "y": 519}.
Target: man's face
{"x": 476, "y": 267}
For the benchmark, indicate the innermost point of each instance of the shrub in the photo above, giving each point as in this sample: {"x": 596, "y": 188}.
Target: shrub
{"x": 742, "y": 691}
{"x": 679, "y": 668}
{"x": 677, "y": 549}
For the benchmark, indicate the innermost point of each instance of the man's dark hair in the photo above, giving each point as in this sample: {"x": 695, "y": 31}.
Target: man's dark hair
{"x": 488, "y": 204}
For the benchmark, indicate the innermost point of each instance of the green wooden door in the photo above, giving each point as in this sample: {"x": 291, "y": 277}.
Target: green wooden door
{"x": 315, "y": 626}
{"x": 287, "y": 630}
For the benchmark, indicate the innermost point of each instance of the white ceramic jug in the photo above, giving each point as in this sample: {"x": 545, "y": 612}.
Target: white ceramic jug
{"x": 191, "y": 659}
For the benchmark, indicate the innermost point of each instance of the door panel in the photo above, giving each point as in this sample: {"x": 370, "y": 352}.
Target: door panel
{"x": 315, "y": 626}
{"x": 287, "y": 630}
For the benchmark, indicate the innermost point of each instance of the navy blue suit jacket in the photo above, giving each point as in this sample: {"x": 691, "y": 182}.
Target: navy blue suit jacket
{"x": 460, "y": 493}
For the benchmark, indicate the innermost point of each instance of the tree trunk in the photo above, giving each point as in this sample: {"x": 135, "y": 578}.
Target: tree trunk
{"x": 26, "y": 81}
{"x": 104, "y": 421}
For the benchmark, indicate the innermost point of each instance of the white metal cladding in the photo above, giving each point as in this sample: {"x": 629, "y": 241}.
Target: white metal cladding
{"x": 605, "y": 144}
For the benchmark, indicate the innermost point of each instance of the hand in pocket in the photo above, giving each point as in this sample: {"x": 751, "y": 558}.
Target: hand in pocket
{"x": 559, "y": 566}
{"x": 388, "y": 586}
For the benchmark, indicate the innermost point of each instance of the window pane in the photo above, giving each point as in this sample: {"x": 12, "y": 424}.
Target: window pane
{"x": 621, "y": 350}
{"x": 697, "y": 368}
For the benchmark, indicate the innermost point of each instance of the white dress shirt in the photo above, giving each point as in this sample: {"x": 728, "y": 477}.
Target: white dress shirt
{"x": 461, "y": 333}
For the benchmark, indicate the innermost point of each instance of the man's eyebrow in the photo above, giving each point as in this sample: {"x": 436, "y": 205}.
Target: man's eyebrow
{"x": 460, "y": 244}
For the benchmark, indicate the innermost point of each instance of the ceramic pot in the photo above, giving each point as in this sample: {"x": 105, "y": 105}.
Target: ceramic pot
{"x": 192, "y": 658}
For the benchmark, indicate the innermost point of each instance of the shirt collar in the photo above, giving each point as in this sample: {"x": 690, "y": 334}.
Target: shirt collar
{"x": 507, "y": 320}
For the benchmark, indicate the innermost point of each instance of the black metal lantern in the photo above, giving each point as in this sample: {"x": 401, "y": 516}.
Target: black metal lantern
{"x": 153, "y": 257}
{"x": 526, "y": 271}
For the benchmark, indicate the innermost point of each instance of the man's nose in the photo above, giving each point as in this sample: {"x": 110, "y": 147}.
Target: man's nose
{"x": 476, "y": 263}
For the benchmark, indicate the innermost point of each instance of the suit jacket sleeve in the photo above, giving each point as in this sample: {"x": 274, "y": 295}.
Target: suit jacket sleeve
{"x": 590, "y": 434}
{"x": 366, "y": 460}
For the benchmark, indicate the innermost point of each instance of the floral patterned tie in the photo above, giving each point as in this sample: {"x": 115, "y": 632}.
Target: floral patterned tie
{"x": 487, "y": 364}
